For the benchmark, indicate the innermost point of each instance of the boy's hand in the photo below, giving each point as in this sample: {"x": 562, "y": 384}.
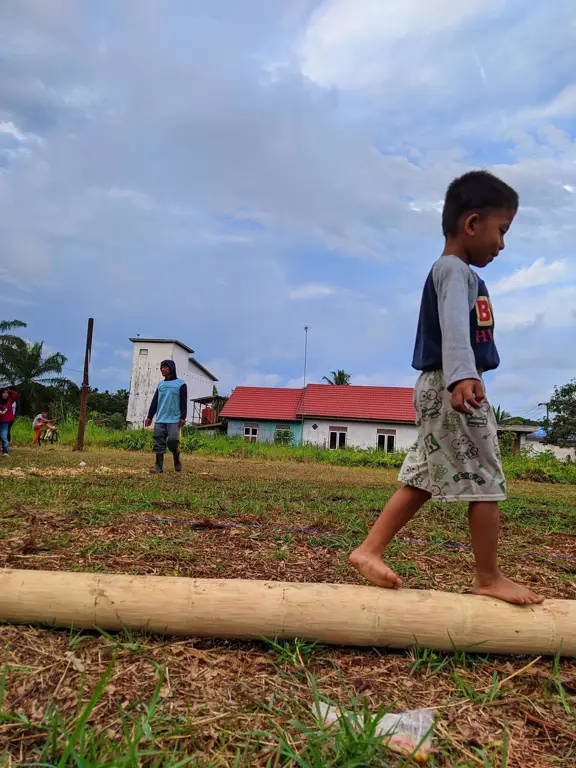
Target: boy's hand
{"x": 148, "y": 423}
{"x": 466, "y": 393}
{"x": 181, "y": 423}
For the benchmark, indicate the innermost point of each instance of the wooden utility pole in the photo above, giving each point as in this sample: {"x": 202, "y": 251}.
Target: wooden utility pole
{"x": 547, "y": 405}
{"x": 85, "y": 385}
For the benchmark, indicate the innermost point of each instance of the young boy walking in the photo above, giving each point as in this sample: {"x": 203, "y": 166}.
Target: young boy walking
{"x": 170, "y": 406}
{"x": 456, "y": 457}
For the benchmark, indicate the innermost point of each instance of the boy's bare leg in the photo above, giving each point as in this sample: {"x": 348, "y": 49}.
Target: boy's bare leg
{"x": 484, "y": 518}
{"x": 367, "y": 559}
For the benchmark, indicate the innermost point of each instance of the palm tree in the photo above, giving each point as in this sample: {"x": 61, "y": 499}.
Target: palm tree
{"x": 501, "y": 415}
{"x": 339, "y": 378}
{"x": 26, "y": 367}
{"x": 7, "y": 342}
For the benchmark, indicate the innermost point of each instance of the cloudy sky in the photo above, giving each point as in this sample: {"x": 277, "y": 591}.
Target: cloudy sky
{"x": 227, "y": 172}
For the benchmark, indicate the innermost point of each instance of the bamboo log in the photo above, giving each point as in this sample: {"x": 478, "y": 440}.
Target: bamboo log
{"x": 337, "y": 614}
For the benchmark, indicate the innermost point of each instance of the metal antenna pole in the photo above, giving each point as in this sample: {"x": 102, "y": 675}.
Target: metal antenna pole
{"x": 305, "y": 351}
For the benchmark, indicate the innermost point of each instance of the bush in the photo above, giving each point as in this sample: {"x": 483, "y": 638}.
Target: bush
{"x": 539, "y": 468}
{"x": 95, "y": 436}
{"x": 283, "y": 437}
{"x": 116, "y": 421}
{"x": 133, "y": 440}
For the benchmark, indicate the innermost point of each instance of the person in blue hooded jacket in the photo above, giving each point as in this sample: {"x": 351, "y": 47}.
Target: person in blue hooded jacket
{"x": 169, "y": 405}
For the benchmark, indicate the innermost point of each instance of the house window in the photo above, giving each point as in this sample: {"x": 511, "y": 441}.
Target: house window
{"x": 251, "y": 433}
{"x": 337, "y": 437}
{"x": 143, "y": 352}
{"x": 283, "y": 434}
{"x": 386, "y": 440}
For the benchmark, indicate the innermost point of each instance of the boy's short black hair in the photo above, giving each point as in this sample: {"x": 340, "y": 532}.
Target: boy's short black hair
{"x": 475, "y": 192}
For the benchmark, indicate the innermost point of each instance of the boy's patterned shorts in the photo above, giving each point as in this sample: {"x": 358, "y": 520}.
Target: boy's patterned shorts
{"x": 456, "y": 456}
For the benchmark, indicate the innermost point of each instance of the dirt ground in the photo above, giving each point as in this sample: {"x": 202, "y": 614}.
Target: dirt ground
{"x": 165, "y": 702}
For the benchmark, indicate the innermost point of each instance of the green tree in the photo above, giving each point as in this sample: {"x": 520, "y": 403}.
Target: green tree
{"x": 105, "y": 404}
{"x": 31, "y": 372}
{"x": 339, "y": 378}
{"x": 8, "y": 341}
{"x": 501, "y": 415}
{"x": 562, "y": 427}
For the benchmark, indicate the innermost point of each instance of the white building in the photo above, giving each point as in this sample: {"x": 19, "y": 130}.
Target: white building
{"x": 148, "y": 354}
{"x": 535, "y": 442}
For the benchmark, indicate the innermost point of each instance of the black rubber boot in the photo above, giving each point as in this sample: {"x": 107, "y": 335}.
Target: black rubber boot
{"x": 177, "y": 463}
{"x": 158, "y": 468}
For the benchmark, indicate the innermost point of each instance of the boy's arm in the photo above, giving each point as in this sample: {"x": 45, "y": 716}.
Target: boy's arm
{"x": 183, "y": 403}
{"x": 458, "y": 362}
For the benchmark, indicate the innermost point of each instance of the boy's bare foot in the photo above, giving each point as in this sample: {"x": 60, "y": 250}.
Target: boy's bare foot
{"x": 507, "y": 590}
{"x": 373, "y": 569}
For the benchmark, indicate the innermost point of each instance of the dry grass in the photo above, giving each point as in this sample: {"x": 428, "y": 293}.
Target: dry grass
{"x": 217, "y": 703}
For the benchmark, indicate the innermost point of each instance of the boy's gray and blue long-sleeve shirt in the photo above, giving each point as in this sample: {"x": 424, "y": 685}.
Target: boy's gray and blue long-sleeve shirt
{"x": 170, "y": 401}
{"x": 456, "y": 323}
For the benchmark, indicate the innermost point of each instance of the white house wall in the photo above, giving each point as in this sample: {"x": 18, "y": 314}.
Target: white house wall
{"x": 144, "y": 379}
{"x": 360, "y": 434}
{"x": 199, "y": 384}
{"x": 146, "y": 376}
{"x": 561, "y": 453}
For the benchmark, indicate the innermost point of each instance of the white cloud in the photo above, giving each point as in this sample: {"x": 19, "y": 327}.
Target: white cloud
{"x": 231, "y": 375}
{"x": 133, "y": 196}
{"x": 115, "y": 373}
{"x": 256, "y": 379}
{"x": 16, "y": 301}
{"x": 387, "y": 378}
{"x": 538, "y": 273}
{"x": 9, "y": 129}
{"x": 8, "y": 279}
{"x": 562, "y": 105}
{"x": 351, "y": 43}
{"x": 298, "y": 381}
{"x": 310, "y": 291}
{"x": 124, "y": 354}
{"x": 554, "y": 309}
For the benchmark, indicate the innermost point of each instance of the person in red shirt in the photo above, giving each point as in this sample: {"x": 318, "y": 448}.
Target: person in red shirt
{"x": 7, "y": 399}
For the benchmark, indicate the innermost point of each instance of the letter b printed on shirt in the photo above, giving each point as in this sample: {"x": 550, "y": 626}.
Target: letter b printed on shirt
{"x": 484, "y": 311}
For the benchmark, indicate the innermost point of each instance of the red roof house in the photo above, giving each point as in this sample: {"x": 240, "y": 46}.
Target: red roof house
{"x": 324, "y": 414}
{"x": 359, "y": 403}
{"x": 263, "y": 403}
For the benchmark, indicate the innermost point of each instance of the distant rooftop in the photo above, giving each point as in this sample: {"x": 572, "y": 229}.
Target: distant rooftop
{"x": 163, "y": 341}
{"x": 526, "y": 428}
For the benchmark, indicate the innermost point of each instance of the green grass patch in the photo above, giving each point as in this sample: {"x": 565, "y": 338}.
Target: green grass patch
{"x": 540, "y": 468}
